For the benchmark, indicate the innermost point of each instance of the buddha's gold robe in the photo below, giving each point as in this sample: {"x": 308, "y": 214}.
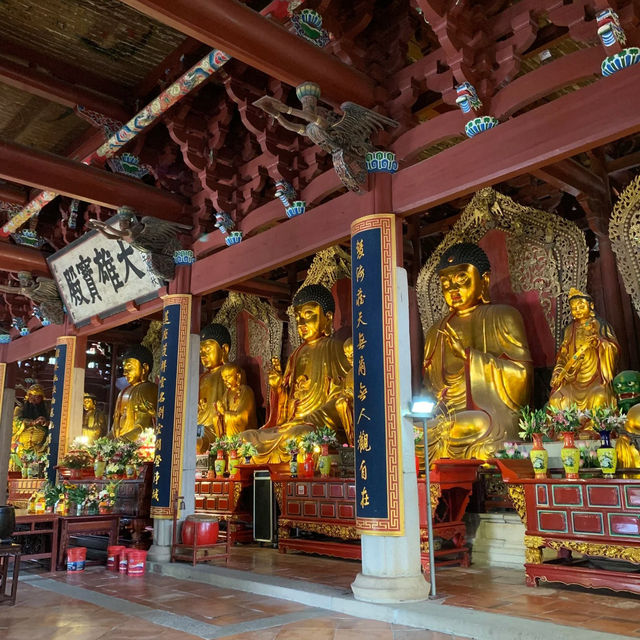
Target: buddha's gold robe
{"x": 135, "y": 410}
{"x": 94, "y": 425}
{"x": 306, "y": 398}
{"x": 479, "y": 397}
{"x": 239, "y": 410}
{"x": 591, "y": 368}
{"x": 210, "y": 391}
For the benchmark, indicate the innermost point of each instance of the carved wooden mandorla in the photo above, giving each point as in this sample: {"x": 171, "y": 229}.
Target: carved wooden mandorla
{"x": 624, "y": 232}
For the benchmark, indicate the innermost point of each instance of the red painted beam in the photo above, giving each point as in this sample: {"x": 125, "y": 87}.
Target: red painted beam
{"x": 12, "y": 195}
{"x": 569, "y": 125}
{"x": 69, "y": 95}
{"x": 47, "y": 171}
{"x": 16, "y": 258}
{"x": 261, "y": 43}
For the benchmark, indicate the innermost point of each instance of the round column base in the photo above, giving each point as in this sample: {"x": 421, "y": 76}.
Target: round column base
{"x": 383, "y": 589}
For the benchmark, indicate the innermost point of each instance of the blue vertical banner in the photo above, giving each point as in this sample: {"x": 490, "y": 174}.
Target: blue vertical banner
{"x": 377, "y": 420}
{"x": 170, "y": 415}
{"x": 60, "y": 399}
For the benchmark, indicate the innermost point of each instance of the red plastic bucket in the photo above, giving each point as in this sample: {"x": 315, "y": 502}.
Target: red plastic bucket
{"x": 207, "y": 527}
{"x": 113, "y": 557}
{"x": 137, "y": 562}
{"x": 76, "y": 557}
{"x": 123, "y": 562}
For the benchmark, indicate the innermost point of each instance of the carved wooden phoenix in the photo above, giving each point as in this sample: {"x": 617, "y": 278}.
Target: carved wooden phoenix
{"x": 346, "y": 137}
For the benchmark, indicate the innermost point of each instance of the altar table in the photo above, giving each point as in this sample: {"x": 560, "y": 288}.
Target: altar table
{"x": 29, "y": 525}
{"x": 69, "y": 526}
{"x": 599, "y": 518}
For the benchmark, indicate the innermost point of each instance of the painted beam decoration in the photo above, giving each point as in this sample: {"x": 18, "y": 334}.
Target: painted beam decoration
{"x": 97, "y": 277}
{"x": 172, "y": 396}
{"x": 60, "y": 398}
{"x": 377, "y": 416}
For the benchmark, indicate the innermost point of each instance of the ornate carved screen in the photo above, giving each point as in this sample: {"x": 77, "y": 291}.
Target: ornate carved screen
{"x": 624, "y": 232}
{"x": 546, "y": 254}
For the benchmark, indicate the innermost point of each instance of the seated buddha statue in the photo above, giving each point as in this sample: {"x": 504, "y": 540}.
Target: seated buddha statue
{"x": 137, "y": 403}
{"x": 476, "y": 362}
{"x": 586, "y": 361}
{"x": 344, "y": 402}
{"x": 94, "y": 422}
{"x": 305, "y": 394}
{"x": 31, "y": 422}
{"x": 626, "y": 386}
{"x": 237, "y": 408}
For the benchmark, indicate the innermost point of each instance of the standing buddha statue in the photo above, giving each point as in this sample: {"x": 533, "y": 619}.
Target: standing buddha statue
{"x": 476, "y": 362}
{"x": 94, "y": 421}
{"x": 306, "y": 393}
{"x": 237, "y": 408}
{"x": 586, "y": 361}
{"x": 215, "y": 343}
{"x": 137, "y": 403}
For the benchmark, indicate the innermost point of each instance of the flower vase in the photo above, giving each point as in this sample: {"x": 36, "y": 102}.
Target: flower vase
{"x": 324, "y": 463}
{"x": 539, "y": 456}
{"x": 607, "y": 456}
{"x": 99, "y": 467}
{"x": 220, "y": 464}
{"x": 293, "y": 464}
{"x": 24, "y": 471}
{"x": 570, "y": 456}
{"x": 130, "y": 471}
{"x": 307, "y": 466}
{"x": 92, "y": 509}
{"x": 77, "y": 509}
{"x": 247, "y": 459}
{"x": 233, "y": 463}
{"x": 61, "y": 507}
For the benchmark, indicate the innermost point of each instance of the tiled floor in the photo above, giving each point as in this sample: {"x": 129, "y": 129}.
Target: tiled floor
{"x": 495, "y": 590}
{"x": 98, "y": 605}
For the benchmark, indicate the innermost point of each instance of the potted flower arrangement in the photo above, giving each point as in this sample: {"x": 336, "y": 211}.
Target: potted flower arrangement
{"x": 293, "y": 448}
{"x": 102, "y": 450}
{"x": 124, "y": 460}
{"x": 325, "y": 437}
{"x": 218, "y": 449}
{"x": 76, "y": 460}
{"x": 512, "y": 463}
{"x": 567, "y": 422}
{"x": 51, "y": 493}
{"x": 533, "y": 426}
{"x": 146, "y": 445}
{"x": 31, "y": 462}
{"x": 605, "y": 420}
{"x": 246, "y": 450}
{"x": 308, "y": 445}
{"x": 77, "y": 496}
{"x": 233, "y": 442}
{"x": 588, "y": 459}
{"x": 107, "y": 497}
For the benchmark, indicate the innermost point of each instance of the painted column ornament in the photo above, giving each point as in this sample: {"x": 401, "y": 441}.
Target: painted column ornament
{"x": 287, "y": 195}
{"x": 469, "y": 102}
{"x": 308, "y": 25}
{"x": 183, "y": 256}
{"x": 381, "y": 162}
{"x": 612, "y": 35}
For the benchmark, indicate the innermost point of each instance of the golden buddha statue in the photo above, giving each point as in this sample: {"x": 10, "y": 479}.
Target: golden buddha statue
{"x": 344, "y": 403}
{"x": 137, "y": 403}
{"x": 215, "y": 342}
{"x": 307, "y": 391}
{"x": 586, "y": 362}
{"x": 237, "y": 408}
{"x": 476, "y": 362}
{"x": 31, "y": 422}
{"x": 94, "y": 421}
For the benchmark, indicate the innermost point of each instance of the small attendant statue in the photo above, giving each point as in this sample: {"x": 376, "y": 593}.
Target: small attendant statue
{"x": 344, "y": 403}
{"x": 586, "y": 362}
{"x": 137, "y": 403}
{"x": 237, "y": 409}
{"x": 94, "y": 421}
